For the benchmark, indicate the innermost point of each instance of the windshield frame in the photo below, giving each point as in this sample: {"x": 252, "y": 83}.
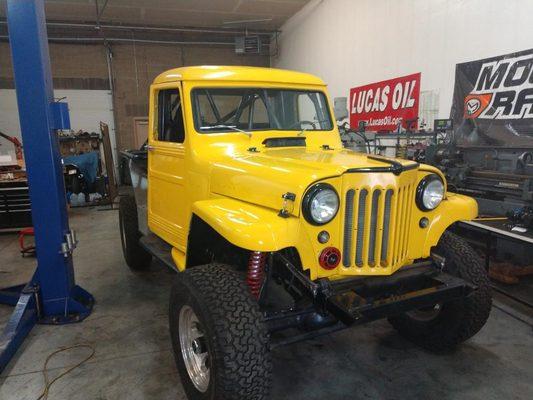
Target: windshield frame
{"x": 195, "y": 108}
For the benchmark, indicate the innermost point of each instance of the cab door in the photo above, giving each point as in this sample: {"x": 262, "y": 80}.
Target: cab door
{"x": 166, "y": 165}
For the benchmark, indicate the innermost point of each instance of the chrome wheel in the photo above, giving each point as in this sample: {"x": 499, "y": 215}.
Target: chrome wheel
{"x": 194, "y": 348}
{"x": 425, "y": 314}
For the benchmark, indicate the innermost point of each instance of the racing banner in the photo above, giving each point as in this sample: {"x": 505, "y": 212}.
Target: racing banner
{"x": 383, "y": 105}
{"x": 493, "y": 100}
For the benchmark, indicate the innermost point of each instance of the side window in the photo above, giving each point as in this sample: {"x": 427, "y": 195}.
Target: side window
{"x": 170, "y": 119}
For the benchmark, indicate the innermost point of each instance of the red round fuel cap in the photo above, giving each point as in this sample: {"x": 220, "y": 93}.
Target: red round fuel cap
{"x": 329, "y": 258}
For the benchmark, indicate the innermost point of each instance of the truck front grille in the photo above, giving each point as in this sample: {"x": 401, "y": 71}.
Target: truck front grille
{"x": 376, "y": 226}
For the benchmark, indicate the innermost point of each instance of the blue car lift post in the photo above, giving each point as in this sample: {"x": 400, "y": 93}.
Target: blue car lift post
{"x": 51, "y": 297}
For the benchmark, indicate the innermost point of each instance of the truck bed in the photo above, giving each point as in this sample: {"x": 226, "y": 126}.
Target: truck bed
{"x": 135, "y": 168}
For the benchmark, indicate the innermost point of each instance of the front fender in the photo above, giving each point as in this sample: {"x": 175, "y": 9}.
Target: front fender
{"x": 454, "y": 208}
{"x": 247, "y": 225}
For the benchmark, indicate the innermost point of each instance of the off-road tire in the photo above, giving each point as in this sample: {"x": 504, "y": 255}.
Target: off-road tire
{"x": 457, "y": 320}
{"x": 137, "y": 258}
{"x": 237, "y": 339}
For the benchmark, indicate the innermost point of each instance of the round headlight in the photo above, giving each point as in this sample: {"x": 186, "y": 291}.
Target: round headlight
{"x": 430, "y": 192}
{"x": 320, "y": 204}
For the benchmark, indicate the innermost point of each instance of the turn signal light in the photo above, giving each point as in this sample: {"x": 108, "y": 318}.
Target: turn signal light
{"x": 329, "y": 258}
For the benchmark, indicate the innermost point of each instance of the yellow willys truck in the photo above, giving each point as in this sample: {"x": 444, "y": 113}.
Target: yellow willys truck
{"x": 278, "y": 234}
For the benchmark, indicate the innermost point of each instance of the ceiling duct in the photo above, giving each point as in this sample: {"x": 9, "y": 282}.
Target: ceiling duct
{"x": 248, "y": 45}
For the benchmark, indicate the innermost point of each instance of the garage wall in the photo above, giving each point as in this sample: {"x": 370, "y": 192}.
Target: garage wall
{"x": 86, "y": 108}
{"x": 353, "y": 42}
{"x": 83, "y": 67}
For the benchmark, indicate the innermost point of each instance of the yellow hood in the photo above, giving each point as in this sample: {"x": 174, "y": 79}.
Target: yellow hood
{"x": 264, "y": 177}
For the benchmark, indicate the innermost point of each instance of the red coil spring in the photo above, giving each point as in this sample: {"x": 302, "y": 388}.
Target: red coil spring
{"x": 256, "y": 272}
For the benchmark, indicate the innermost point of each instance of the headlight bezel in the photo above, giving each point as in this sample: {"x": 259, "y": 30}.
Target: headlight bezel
{"x": 308, "y": 198}
{"x": 421, "y": 188}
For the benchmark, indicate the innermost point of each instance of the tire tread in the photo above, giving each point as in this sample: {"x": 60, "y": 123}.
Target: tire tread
{"x": 137, "y": 258}
{"x": 241, "y": 350}
{"x": 460, "y": 319}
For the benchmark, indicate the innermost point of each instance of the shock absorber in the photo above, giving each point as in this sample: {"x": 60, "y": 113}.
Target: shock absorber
{"x": 256, "y": 272}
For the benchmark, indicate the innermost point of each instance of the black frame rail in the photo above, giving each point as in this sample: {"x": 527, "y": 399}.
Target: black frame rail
{"x": 355, "y": 301}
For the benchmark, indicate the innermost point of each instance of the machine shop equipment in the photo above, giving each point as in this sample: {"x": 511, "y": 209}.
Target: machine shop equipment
{"x": 18, "y": 147}
{"x": 500, "y": 178}
{"x": 357, "y": 140}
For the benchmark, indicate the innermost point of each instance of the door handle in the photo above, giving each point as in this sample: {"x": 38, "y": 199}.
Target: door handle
{"x": 150, "y": 148}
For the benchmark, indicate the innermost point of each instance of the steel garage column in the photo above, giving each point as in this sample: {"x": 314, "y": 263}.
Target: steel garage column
{"x": 52, "y": 296}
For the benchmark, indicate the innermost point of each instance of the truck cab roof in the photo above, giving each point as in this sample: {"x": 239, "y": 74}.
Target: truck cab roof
{"x": 237, "y": 74}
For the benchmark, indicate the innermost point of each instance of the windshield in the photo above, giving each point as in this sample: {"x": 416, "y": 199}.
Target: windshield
{"x": 256, "y": 109}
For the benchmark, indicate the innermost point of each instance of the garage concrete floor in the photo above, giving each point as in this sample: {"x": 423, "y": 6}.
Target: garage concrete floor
{"x": 133, "y": 360}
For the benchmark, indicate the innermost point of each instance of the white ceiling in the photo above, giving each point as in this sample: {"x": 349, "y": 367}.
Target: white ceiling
{"x": 191, "y": 13}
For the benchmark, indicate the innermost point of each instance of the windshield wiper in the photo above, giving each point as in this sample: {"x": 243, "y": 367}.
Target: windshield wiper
{"x": 222, "y": 126}
{"x": 302, "y": 132}
{"x": 318, "y": 121}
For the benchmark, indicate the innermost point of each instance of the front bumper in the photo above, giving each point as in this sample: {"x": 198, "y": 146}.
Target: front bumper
{"x": 363, "y": 299}
{"x": 413, "y": 287}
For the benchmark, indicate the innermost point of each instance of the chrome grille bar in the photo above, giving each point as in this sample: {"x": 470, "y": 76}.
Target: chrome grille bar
{"x": 410, "y": 200}
{"x": 373, "y": 227}
{"x": 361, "y": 214}
{"x": 348, "y": 228}
{"x": 400, "y": 217}
{"x": 386, "y": 227}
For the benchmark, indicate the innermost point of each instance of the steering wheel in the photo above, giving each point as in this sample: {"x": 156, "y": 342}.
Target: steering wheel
{"x": 303, "y": 122}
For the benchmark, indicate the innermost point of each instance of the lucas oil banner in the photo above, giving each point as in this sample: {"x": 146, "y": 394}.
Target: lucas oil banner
{"x": 383, "y": 105}
{"x": 493, "y": 100}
